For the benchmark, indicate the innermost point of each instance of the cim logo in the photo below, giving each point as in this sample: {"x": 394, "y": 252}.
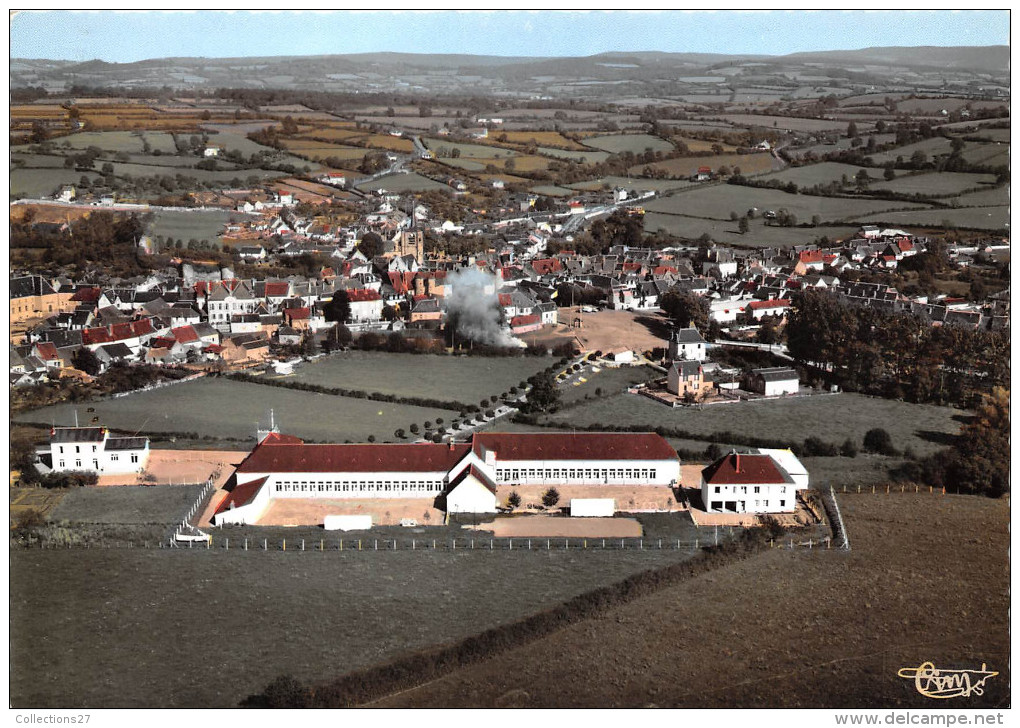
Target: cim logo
{"x": 933, "y": 682}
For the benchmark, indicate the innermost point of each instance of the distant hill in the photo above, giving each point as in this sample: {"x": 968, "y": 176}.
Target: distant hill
{"x": 394, "y": 72}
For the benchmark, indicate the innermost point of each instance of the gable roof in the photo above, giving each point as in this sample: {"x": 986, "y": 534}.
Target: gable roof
{"x": 741, "y": 469}
{"x": 272, "y": 456}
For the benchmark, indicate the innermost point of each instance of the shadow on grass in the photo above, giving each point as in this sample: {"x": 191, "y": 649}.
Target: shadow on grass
{"x": 946, "y": 439}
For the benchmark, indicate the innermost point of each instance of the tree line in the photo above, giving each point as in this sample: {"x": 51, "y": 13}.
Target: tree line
{"x": 897, "y": 355}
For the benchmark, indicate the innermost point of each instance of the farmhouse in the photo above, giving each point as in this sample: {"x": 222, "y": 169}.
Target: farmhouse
{"x": 687, "y": 378}
{"x": 93, "y": 449}
{"x": 766, "y": 481}
{"x": 468, "y": 477}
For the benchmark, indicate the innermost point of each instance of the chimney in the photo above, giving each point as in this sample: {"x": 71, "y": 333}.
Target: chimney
{"x": 451, "y": 444}
{"x": 738, "y": 462}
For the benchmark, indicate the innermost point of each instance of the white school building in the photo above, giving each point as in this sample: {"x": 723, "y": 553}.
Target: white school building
{"x": 466, "y": 477}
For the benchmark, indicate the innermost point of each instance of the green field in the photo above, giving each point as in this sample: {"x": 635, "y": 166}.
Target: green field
{"x": 833, "y": 418}
{"x": 610, "y": 381}
{"x": 135, "y": 504}
{"x": 198, "y": 224}
{"x": 473, "y": 151}
{"x": 934, "y": 184}
{"x": 553, "y": 191}
{"x": 160, "y": 628}
{"x": 718, "y": 201}
{"x": 992, "y": 155}
{"x": 819, "y": 174}
{"x": 930, "y": 147}
{"x": 633, "y": 184}
{"x": 450, "y": 378}
{"x": 759, "y": 235}
{"x": 44, "y": 182}
{"x": 588, "y": 157}
{"x": 979, "y": 218}
{"x": 412, "y": 182}
{"x": 636, "y": 143}
{"x": 985, "y": 198}
{"x": 219, "y": 408}
{"x": 119, "y": 141}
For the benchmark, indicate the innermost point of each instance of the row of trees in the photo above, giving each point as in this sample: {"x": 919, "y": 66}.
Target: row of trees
{"x": 896, "y": 354}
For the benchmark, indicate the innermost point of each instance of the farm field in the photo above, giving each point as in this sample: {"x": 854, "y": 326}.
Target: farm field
{"x": 219, "y": 408}
{"x": 538, "y": 138}
{"x": 991, "y": 155}
{"x": 128, "y": 627}
{"x": 687, "y": 166}
{"x": 935, "y": 184}
{"x": 588, "y": 156}
{"x": 198, "y": 224}
{"x": 841, "y": 145}
{"x": 636, "y": 143}
{"x": 930, "y": 147}
{"x": 787, "y": 123}
{"x": 878, "y": 601}
{"x": 633, "y": 184}
{"x": 412, "y": 182}
{"x": 444, "y": 147}
{"x": 833, "y": 418}
{"x": 127, "y": 504}
{"x": 985, "y": 198}
{"x": 320, "y": 150}
{"x": 978, "y": 218}
{"x": 820, "y": 174}
{"x": 717, "y": 201}
{"x": 452, "y": 378}
{"x": 552, "y": 190}
{"x": 120, "y": 141}
{"x": 44, "y": 182}
{"x": 43, "y": 161}
{"x": 992, "y": 135}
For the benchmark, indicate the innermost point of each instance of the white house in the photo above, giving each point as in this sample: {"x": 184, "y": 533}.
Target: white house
{"x": 752, "y": 483}
{"x": 469, "y": 476}
{"x": 773, "y": 381}
{"x": 211, "y": 152}
{"x": 93, "y": 449}
{"x": 686, "y": 344}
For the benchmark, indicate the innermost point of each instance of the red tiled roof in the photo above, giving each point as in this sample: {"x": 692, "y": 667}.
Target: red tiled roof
{"x": 356, "y": 295}
{"x": 662, "y": 270}
{"x": 743, "y": 469}
{"x": 47, "y": 350}
{"x": 270, "y": 457}
{"x": 775, "y": 303}
{"x": 811, "y": 256}
{"x": 544, "y": 266}
{"x": 89, "y": 295}
{"x": 96, "y": 336}
{"x": 185, "y": 334}
{"x": 277, "y": 288}
{"x": 163, "y": 342}
{"x": 401, "y": 282}
{"x": 505, "y": 299}
{"x": 241, "y": 495}
{"x": 575, "y": 446}
{"x": 297, "y": 314}
{"x": 525, "y": 320}
{"x": 276, "y": 438}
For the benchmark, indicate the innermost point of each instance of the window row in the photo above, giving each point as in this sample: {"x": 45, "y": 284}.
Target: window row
{"x": 742, "y": 489}
{"x": 355, "y": 486}
{"x": 582, "y": 474}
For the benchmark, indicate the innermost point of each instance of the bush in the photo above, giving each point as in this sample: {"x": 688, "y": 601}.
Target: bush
{"x": 818, "y": 447}
{"x": 878, "y": 441}
{"x": 514, "y": 499}
{"x": 849, "y": 449}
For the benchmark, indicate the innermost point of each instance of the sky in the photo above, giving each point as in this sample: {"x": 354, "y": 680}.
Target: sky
{"x": 126, "y": 36}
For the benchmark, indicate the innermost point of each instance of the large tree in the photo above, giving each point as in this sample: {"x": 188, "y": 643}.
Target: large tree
{"x": 372, "y": 245}
{"x": 686, "y": 308}
{"x": 338, "y": 309}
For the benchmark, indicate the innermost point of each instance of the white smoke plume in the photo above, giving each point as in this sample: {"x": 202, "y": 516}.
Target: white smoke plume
{"x": 472, "y": 308}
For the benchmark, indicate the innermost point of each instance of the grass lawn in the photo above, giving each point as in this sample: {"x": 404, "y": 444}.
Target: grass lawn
{"x": 935, "y": 184}
{"x": 220, "y": 408}
{"x": 44, "y": 182}
{"x": 453, "y": 378}
{"x": 412, "y": 182}
{"x": 610, "y": 381}
{"x": 980, "y": 218}
{"x": 151, "y": 628}
{"x": 134, "y": 504}
{"x": 759, "y": 235}
{"x": 833, "y": 418}
{"x": 198, "y": 224}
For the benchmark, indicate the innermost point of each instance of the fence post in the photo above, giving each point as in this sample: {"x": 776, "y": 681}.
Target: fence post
{"x": 265, "y": 544}
{"x": 226, "y": 544}
{"x": 511, "y": 545}
{"x": 284, "y": 544}
{"x": 246, "y": 544}
{"x": 490, "y": 544}
{"x": 412, "y": 544}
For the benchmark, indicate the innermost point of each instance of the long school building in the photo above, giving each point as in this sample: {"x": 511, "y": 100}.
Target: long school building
{"x": 466, "y": 477}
